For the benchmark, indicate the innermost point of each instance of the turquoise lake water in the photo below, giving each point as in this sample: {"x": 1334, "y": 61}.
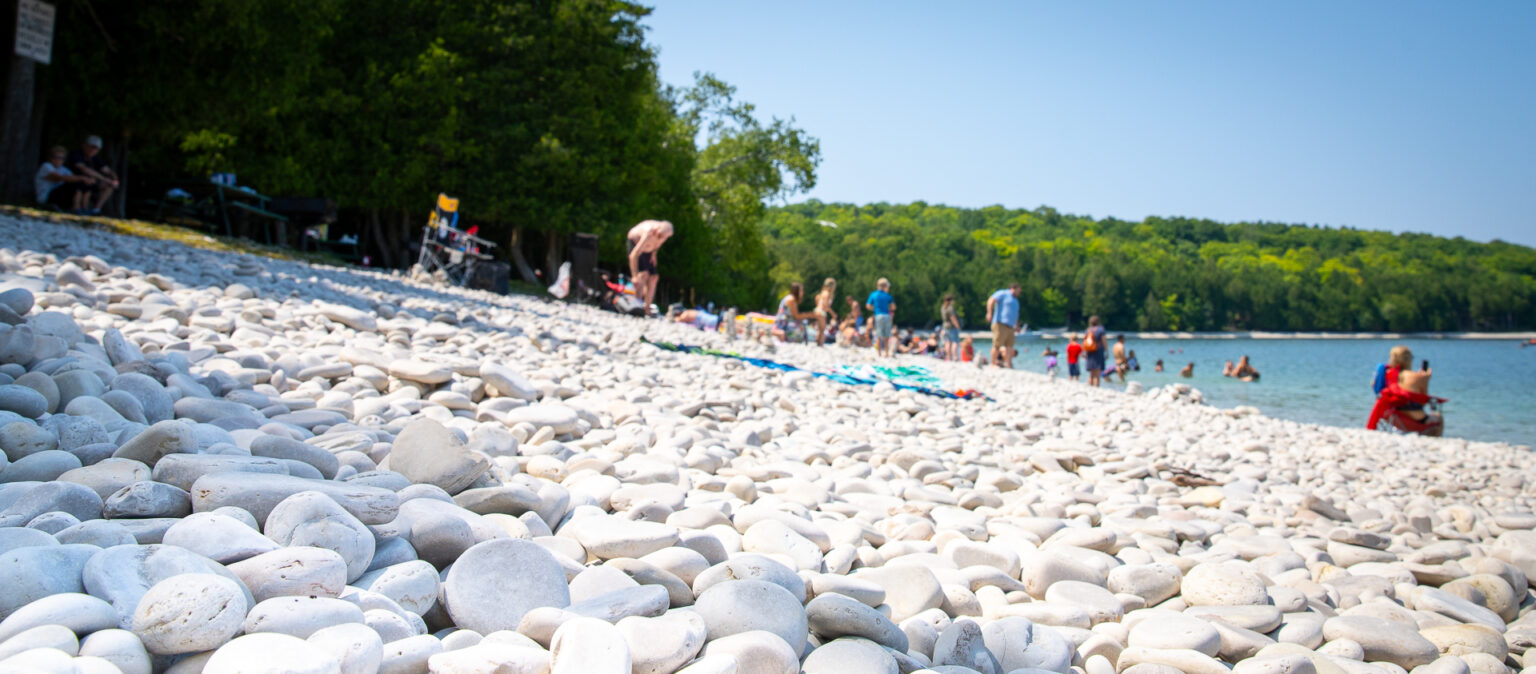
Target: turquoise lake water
{"x": 1327, "y": 381}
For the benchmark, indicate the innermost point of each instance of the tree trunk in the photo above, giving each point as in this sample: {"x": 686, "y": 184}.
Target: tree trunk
{"x": 551, "y": 256}
{"x": 515, "y": 250}
{"x": 376, "y": 227}
{"x": 402, "y": 241}
{"x": 16, "y": 165}
{"x": 120, "y": 198}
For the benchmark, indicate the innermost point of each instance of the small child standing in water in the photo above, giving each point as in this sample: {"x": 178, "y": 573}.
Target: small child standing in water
{"x": 1050, "y": 362}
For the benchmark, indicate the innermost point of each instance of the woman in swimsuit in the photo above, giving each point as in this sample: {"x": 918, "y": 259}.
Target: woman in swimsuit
{"x": 825, "y": 315}
{"x": 950, "y": 319}
{"x": 789, "y": 312}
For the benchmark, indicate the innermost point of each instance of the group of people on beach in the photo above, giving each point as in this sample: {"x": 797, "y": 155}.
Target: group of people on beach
{"x": 1087, "y": 352}
{"x": 78, "y": 182}
{"x": 1403, "y": 400}
{"x": 1090, "y": 351}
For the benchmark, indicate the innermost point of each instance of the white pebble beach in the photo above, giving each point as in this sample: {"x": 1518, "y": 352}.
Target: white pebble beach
{"x": 218, "y": 462}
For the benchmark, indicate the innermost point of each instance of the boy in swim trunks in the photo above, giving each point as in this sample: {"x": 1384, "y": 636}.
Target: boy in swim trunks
{"x": 1074, "y": 352}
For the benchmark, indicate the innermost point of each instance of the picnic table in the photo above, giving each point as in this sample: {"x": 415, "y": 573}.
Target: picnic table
{"x": 217, "y": 206}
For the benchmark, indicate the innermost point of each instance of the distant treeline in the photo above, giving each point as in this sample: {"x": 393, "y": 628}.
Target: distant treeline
{"x": 1157, "y": 274}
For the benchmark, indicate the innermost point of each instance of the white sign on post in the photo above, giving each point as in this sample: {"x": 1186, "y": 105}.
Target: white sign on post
{"x": 34, "y": 30}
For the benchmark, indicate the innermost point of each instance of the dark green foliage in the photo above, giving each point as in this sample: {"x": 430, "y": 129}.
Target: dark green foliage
{"x": 1158, "y": 274}
{"x": 543, "y": 116}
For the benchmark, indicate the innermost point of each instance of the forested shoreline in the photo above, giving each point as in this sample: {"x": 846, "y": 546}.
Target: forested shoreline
{"x": 1157, "y": 274}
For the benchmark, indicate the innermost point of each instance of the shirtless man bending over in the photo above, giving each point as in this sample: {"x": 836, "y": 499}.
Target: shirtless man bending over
{"x": 644, "y": 240}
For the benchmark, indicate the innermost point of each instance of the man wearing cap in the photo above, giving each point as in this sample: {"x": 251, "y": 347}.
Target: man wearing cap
{"x": 87, "y": 161}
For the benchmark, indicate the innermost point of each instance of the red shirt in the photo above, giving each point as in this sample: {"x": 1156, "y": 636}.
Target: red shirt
{"x": 1074, "y": 351}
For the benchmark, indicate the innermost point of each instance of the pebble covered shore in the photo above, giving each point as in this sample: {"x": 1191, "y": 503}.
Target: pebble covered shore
{"x": 222, "y": 463}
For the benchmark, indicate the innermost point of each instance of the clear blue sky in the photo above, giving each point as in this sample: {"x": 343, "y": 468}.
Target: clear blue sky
{"x": 1403, "y": 116}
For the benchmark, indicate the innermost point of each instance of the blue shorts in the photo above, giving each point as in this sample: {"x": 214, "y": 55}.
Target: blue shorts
{"x": 952, "y": 335}
{"x": 1095, "y": 361}
{"x": 1072, "y": 369}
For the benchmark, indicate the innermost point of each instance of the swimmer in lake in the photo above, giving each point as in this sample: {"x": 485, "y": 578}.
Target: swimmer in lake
{"x": 1244, "y": 371}
{"x": 1188, "y": 371}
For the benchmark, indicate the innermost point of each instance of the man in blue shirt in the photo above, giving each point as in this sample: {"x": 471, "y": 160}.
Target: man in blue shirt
{"x": 883, "y": 307}
{"x": 1003, "y": 308}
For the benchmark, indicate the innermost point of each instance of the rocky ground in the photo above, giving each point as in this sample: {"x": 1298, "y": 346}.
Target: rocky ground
{"x": 223, "y": 463}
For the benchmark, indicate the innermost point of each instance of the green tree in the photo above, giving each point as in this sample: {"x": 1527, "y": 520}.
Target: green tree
{"x": 1054, "y": 303}
{"x": 1152, "y": 316}
{"x": 742, "y": 163}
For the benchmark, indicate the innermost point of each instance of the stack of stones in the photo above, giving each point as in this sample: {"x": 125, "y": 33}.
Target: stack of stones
{"x": 219, "y": 463}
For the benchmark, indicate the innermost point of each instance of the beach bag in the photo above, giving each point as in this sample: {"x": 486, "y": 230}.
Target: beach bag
{"x": 1090, "y": 344}
{"x": 628, "y": 304}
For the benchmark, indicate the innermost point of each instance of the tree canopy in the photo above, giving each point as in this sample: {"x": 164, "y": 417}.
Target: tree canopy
{"x": 1157, "y": 274}
{"x": 545, "y": 117}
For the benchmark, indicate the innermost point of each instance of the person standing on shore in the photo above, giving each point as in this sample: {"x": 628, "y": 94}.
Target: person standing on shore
{"x": 1003, "y": 310}
{"x": 1093, "y": 350}
{"x": 825, "y": 314}
{"x": 882, "y": 309}
{"x": 1074, "y": 352}
{"x": 644, "y": 241}
{"x": 1122, "y": 362}
{"x": 951, "y": 328}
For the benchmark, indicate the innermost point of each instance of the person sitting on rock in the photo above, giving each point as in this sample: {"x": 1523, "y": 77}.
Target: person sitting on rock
{"x": 56, "y": 185}
{"x": 87, "y": 161}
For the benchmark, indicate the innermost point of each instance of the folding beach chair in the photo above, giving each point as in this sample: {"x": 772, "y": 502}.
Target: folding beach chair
{"x": 446, "y": 249}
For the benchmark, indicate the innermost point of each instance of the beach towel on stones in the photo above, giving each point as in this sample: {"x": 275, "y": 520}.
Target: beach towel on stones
{"x": 838, "y": 377}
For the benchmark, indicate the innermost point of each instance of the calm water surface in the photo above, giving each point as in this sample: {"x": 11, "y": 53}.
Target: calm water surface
{"x": 1328, "y": 381}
